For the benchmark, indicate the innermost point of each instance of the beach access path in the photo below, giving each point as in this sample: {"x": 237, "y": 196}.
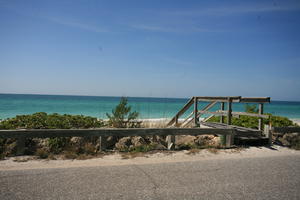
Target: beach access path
{"x": 253, "y": 173}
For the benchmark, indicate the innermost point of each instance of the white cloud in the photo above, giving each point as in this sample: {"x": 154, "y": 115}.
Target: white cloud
{"x": 79, "y": 25}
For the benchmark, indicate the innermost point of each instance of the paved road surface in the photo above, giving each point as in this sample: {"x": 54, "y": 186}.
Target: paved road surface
{"x": 245, "y": 178}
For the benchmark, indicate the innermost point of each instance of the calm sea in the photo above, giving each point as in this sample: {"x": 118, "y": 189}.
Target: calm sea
{"x": 97, "y": 106}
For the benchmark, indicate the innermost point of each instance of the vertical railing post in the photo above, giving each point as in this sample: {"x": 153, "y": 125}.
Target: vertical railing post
{"x": 102, "y": 143}
{"x": 260, "y": 120}
{"x": 229, "y": 110}
{"x": 171, "y": 142}
{"x": 268, "y": 133}
{"x": 222, "y": 109}
{"x": 230, "y": 139}
{"x": 196, "y": 120}
{"x": 20, "y": 146}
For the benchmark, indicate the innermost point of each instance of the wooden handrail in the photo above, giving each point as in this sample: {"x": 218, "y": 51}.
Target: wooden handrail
{"x": 180, "y": 112}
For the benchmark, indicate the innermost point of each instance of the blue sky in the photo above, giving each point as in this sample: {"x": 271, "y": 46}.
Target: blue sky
{"x": 151, "y": 48}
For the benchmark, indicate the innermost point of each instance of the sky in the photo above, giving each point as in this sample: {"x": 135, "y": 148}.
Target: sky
{"x": 170, "y": 48}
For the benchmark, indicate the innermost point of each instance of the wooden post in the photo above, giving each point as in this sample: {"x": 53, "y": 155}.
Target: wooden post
{"x": 222, "y": 109}
{"x": 176, "y": 121}
{"x": 20, "y": 146}
{"x": 268, "y": 133}
{"x": 171, "y": 142}
{"x": 102, "y": 143}
{"x": 229, "y": 110}
{"x": 229, "y": 139}
{"x": 196, "y": 120}
{"x": 260, "y": 120}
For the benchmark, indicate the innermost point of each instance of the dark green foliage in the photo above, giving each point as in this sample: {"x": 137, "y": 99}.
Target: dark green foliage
{"x": 252, "y": 122}
{"x": 121, "y": 116}
{"x": 143, "y": 148}
{"x": 56, "y": 145}
{"x": 42, "y": 120}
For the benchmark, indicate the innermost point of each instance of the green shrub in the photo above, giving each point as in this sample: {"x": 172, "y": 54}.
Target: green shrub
{"x": 43, "y": 120}
{"x": 252, "y": 122}
{"x": 122, "y": 117}
{"x": 56, "y": 145}
{"x": 143, "y": 148}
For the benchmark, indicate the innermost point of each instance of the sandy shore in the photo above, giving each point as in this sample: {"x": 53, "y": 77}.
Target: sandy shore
{"x": 118, "y": 159}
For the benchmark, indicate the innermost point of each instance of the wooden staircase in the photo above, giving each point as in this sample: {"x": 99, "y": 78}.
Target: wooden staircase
{"x": 192, "y": 120}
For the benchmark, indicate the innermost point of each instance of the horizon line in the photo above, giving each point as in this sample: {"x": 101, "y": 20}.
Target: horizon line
{"x": 120, "y": 96}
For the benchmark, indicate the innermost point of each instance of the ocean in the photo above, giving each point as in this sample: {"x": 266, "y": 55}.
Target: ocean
{"x": 97, "y": 106}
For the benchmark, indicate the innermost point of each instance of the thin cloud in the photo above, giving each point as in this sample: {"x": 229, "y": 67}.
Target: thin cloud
{"x": 182, "y": 29}
{"x": 78, "y": 25}
{"x": 236, "y": 10}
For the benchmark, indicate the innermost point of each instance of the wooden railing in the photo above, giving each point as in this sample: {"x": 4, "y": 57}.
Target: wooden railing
{"x": 21, "y": 135}
{"x": 195, "y": 115}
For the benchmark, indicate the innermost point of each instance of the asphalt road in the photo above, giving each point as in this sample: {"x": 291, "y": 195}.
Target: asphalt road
{"x": 252, "y": 178}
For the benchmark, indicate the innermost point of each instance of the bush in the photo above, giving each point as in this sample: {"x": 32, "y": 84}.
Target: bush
{"x": 42, "y": 154}
{"x": 252, "y": 122}
{"x": 43, "y": 120}
{"x": 122, "y": 117}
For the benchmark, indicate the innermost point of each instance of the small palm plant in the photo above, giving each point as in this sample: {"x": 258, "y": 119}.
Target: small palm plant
{"x": 121, "y": 116}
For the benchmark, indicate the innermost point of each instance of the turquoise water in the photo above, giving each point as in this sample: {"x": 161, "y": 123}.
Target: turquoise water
{"x": 149, "y": 108}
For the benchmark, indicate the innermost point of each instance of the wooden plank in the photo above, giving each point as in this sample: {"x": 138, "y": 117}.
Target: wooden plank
{"x": 229, "y": 110}
{"x": 196, "y": 119}
{"x": 48, "y": 133}
{"x": 260, "y": 120}
{"x": 204, "y": 110}
{"x": 222, "y": 109}
{"x": 185, "y": 108}
{"x": 218, "y": 98}
{"x": 289, "y": 129}
{"x": 255, "y": 99}
{"x": 251, "y": 114}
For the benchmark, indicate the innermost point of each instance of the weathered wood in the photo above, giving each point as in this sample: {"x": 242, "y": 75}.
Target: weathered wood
{"x": 219, "y": 99}
{"x": 176, "y": 121}
{"x": 171, "y": 142}
{"x": 260, "y": 120}
{"x": 251, "y": 114}
{"x": 222, "y": 109}
{"x": 20, "y": 146}
{"x": 286, "y": 129}
{"x": 203, "y": 111}
{"x": 102, "y": 143}
{"x": 229, "y": 139}
{"x": 268, "y": 133}
{"x": 196, "y": 119}
{"x": 229, "y": 110}
{"x": 48, "y": 133}
{"x": 255, "y": 99}
{"x": 185, "y": 108}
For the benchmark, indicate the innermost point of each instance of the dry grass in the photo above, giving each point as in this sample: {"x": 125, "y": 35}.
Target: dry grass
{"x": 213, "y": 150}
{"x": 193, "y": 151}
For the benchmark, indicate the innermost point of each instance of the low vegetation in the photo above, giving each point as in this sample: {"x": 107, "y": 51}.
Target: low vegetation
{"x": 122, "y": 117}
{"x": 252, "y": 122}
